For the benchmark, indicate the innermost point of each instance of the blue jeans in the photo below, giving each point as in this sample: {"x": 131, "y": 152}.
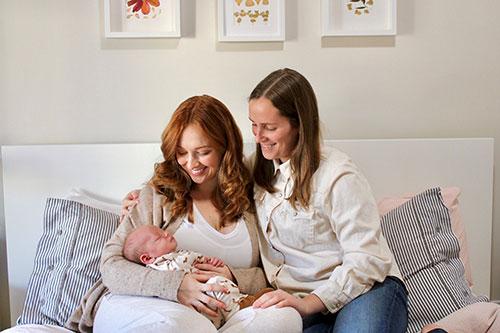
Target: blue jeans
{"x": 382, "y": 309}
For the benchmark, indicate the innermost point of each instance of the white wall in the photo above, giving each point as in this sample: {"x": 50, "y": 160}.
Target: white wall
{"x": 62, "y": 82}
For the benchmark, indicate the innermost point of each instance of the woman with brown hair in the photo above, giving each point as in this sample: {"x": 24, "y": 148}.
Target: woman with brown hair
{"x": 321, "y": 242}
{"x": 200, "y": 194}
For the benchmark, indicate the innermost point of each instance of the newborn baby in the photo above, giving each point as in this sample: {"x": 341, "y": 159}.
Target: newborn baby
{"x": 157, "y": 249}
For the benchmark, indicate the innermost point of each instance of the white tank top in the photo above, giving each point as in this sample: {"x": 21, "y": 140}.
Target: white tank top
{"x": 234, "y": 248}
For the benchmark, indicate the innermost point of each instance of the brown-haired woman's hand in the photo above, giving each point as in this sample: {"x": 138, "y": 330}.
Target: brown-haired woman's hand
{"x": 305, "y": 306}
{"x": 192, "y": 293}
{"x": 129, "y": 202}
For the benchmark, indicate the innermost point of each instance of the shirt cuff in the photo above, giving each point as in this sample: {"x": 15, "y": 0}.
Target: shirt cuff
{"x": 332, "y": 301}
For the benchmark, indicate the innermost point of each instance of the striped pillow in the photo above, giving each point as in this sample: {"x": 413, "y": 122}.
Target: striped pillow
{"x": 419, "y": 234}
{"x": 66, "y": 260}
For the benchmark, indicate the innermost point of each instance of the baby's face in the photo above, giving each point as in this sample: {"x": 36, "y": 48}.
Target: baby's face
{"x": 158, "y": 242}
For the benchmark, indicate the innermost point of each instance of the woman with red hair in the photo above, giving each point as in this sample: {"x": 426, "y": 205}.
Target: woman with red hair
{"x": 200, "y": 193}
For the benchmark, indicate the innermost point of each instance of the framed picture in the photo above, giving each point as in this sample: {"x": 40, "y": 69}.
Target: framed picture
{"x": 358, "y": 17}
{"x": 251, "y": 20}
{"x": 142, "y": 18}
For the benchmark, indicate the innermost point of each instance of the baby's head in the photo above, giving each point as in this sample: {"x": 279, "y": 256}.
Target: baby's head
{"x": 146, "y": 243}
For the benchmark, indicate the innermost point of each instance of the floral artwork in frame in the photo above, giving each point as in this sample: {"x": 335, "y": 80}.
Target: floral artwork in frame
{"x": 358, "y": 17}
{"x": 251, "y": 20}
{"x": 142, "y": 18}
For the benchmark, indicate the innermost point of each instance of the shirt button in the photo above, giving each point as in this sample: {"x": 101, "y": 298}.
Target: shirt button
{"x": 42, "y": 302}
{"x": 59, "y": 232}
{"x": 295, "y": 213}
{"x": 280, "y": 195}
{"x": 438, "y": 228}
{"x": 50, "y": 267}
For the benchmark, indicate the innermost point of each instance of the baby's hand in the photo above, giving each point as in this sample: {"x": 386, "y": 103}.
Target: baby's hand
{"x": 212, "y": 267}
{"x": 216, "y": 262}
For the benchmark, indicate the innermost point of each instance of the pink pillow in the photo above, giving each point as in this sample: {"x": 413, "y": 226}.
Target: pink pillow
{"x": 479, "y": 317}
{"x": 450, "y": 197}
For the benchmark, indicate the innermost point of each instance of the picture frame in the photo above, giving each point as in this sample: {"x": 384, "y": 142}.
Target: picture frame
{"x": 358, "y": 17}
{"x": 142, "y": 18}
{"x": 251, "y": 20}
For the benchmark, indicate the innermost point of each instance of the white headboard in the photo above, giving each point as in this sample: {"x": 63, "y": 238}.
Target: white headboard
{"x": 33, "y": 173}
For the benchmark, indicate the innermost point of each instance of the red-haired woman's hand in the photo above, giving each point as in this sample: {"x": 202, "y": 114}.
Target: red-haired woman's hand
{"x": 129, "y": 202}
{"x": 192, "y": 294}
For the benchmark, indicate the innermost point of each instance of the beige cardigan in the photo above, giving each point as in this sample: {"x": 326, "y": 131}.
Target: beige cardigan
{"x": 120, "y": 276}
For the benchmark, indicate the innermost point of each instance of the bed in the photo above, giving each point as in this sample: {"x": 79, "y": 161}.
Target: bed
{"x": 394, "y": 168}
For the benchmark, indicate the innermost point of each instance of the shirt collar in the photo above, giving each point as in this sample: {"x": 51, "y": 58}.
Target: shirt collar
{"x": 284, "y": 168}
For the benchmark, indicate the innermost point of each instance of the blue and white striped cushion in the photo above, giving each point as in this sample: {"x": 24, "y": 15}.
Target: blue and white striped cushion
{"x": 66, "y": 260}
{"x": 427, "y": 252}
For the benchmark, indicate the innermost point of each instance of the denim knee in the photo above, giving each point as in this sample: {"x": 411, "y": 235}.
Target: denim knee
{"x": 382, "y": 309}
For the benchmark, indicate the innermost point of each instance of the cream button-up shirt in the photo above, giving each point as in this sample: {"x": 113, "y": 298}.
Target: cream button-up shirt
{"x": 334, "y": 248}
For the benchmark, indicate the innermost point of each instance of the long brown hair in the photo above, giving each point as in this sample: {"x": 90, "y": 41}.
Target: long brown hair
{"x": 291, "y": 93}
{"x": 231, "y": 196}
